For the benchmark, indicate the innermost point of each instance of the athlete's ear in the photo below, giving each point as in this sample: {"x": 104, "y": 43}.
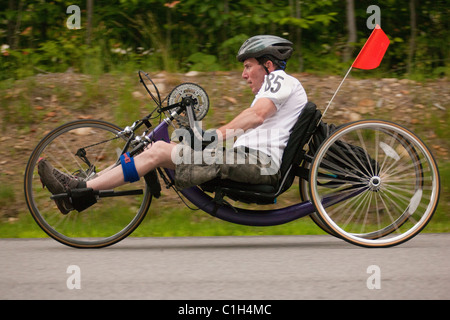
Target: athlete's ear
{"x": 269, "y": 66}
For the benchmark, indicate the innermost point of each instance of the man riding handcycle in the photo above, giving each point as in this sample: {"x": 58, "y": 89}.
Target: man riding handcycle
{"x": 256, "y": 155}
{"x": 372, "y": 183}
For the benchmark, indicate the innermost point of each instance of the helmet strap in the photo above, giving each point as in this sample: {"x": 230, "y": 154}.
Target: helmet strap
{"x": 278, "y": 64}
{"x": 263, "y": 60}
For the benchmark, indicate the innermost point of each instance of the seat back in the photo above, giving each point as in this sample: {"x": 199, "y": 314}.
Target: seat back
{"x": 301, "y": 133}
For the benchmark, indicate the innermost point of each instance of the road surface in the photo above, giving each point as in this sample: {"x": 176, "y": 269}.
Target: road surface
{"x": 268, "y": 268}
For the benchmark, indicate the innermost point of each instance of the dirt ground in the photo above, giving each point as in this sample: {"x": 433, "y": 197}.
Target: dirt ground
{"x": 30, "y": 108}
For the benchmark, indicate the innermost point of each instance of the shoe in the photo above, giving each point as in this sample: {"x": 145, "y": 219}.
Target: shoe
{"x": 57, "y": 182}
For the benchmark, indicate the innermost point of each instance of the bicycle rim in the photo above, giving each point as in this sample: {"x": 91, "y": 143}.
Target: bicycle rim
{"x": 374, "y": 183}
{"x": 303, "y": 186}
{"x": 110, "y": 219}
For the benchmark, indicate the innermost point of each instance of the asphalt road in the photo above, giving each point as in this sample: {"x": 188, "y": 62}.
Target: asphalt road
{"x": 269, "y": 268}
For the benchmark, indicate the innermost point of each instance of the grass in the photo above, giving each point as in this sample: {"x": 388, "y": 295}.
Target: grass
{"x": 174, "y": 222}
{"x": 20, "y": 108}
{"x": 183, "y": 222}
{"x": 440, "y": 219}
{"x": 178, "y": 221}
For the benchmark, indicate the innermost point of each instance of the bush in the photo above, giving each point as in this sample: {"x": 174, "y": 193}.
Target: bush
{"x": 203, "y": 62}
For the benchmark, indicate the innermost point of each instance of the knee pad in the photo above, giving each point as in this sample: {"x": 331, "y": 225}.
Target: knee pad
{"x": 130, "y": 173}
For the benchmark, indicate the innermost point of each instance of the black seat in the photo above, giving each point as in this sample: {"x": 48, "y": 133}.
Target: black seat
{"x": 292, "y": 156}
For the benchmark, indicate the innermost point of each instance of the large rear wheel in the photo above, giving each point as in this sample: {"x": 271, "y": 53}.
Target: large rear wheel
{"x": 374, "y": 183}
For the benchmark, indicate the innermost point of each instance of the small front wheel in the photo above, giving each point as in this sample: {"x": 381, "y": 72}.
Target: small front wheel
{"x": 84, "y": 148}
{"x": 374, "y": 183}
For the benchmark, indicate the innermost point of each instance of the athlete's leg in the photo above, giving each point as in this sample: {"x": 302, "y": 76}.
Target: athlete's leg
{"x": 157, "y": 155}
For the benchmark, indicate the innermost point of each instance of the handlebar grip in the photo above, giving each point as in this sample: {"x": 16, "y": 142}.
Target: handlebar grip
{"x": 59, "y": 196}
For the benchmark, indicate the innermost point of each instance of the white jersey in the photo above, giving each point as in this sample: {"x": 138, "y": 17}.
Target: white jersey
{"x": 271, "y": 137}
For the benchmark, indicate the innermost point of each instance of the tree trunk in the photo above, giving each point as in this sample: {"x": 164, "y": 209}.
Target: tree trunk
{"x": 13, "y": 25}
{"x": 351, "y": 28}
{"x": 412, "y": 39}
{"x": 90, "y": 9}
{"x": 298, "y": 35}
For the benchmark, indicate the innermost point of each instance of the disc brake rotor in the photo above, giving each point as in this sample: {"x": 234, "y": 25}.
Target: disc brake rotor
{"x": 194, "y": 91}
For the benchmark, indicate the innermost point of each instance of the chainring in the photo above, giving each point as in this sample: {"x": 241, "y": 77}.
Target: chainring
{"x": 195, "y": 92}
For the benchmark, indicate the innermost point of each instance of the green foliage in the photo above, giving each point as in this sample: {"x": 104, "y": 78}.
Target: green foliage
{"x": 7, "y": 195}
{"x": 203, "y": 62}
{"x": 205, "y": 35}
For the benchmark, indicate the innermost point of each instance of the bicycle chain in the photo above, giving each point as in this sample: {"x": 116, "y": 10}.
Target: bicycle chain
{"x": 101, "y": 142}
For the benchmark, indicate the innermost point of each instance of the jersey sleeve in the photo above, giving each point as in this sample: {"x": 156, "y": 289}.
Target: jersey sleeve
{"x": 276, "y": 87}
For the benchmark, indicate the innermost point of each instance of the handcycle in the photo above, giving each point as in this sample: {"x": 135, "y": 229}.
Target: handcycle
{"x": 372, "y": 183}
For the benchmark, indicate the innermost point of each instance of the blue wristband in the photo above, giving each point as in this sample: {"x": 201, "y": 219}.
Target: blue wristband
{"x": 130, "y": 173}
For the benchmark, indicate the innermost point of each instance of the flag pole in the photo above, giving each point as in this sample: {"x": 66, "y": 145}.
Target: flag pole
{"x": 342, "y": 82}
{"x": 331, "y": 100}
{"x": 368, "y": 58}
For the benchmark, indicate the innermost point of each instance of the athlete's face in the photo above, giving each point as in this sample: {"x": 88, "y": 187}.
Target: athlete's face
{"x": 254, "y": 74}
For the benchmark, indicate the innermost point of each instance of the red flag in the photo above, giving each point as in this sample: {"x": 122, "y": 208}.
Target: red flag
{"x": 373, "y": 51}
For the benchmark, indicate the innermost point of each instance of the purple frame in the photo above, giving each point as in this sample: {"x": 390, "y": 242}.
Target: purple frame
{"x": 235, "y": 215}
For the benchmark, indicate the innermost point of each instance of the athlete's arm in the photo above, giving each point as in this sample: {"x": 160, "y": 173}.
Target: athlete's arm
{"x": 251, "y": 117}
